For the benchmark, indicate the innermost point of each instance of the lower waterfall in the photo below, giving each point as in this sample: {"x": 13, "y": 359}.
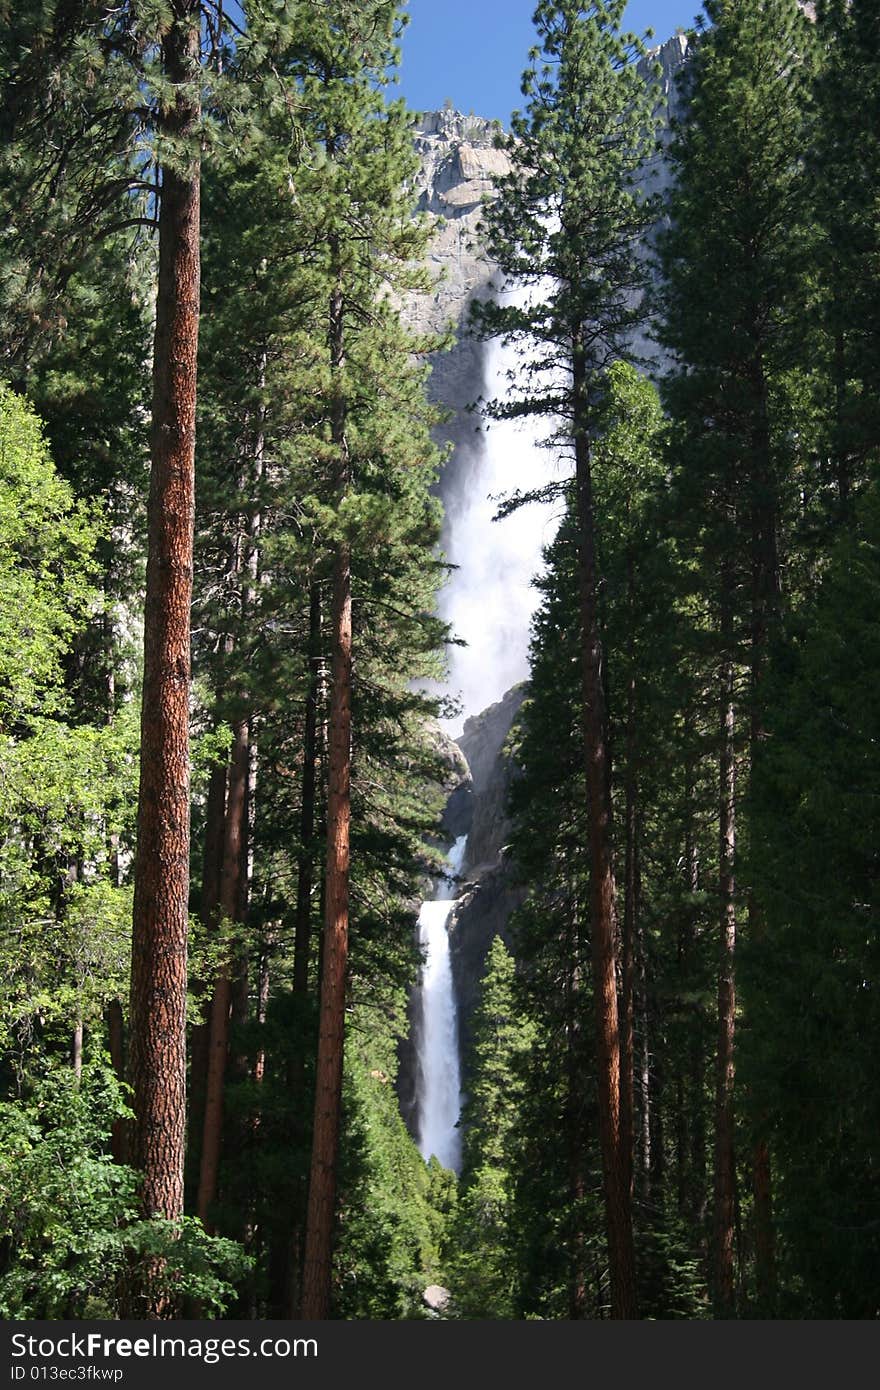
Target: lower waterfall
{"x": 439, "y": 1082}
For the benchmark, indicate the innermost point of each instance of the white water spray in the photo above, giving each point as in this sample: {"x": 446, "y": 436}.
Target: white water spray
{"x": 439, "y": 1084}
{"x": 489, "y": 600}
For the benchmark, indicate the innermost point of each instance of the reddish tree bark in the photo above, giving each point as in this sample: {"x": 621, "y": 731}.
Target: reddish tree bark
{"x": 212, "y": 868}
{"x": 618, "y": 1206}
{"x": 317, "y": 1268}
{"x": 221, "y": 1001}
{"x": 725, "y": 1171}
{"x": 328, "y": 1079}
{"x": 302, "y": 939}
{"x": 159, "y": 939}
{"x": 628, "y": 942}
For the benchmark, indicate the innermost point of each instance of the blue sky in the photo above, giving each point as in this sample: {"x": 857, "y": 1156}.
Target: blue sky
{"x": 473, "y": 51}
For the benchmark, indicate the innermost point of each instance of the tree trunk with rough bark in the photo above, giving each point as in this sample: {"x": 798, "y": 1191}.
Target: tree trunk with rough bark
{"x": 764, "y": 617}
{"x": 618, "y": 1206}
{"x": 317, "y": 1268}
{"x": 725, "y": 1170}
{"x": 628, "y": 940}
{"x": 159, "y": 941}
{"x": 221, "y": 1002}
{"x": 302, "y": 939}
{"x": 212, "y": 869}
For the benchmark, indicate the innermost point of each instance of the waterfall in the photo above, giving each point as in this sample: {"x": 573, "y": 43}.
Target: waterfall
{"x": 439, "y": 1091}
{"x": 490, "y": 599}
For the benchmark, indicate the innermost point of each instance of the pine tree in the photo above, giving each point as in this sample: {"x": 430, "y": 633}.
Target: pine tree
{"x": 161, "y": 898}
{"x": 844, "y": 169}
{"x": 570, "y": 212}
{"x": 732, "y": 263}
{"x": 368, "y": 237}
{"x": 483, "y": 1271}
{"x": 810, "y": 982}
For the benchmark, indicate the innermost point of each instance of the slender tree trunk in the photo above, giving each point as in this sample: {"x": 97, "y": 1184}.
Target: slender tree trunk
{"x": 303, "y": 915}
{"x": 574, "y": 1116}
{"x": 725, "y": 1171}
{"x": 290, "y": 1261}
{"x": 648, "y": 1129}
{"x": 159, "y": 939}
{"x": 764, "y": 617}
{"x": 241, "y": 997}
{"x": 618, "y": 1206}
{"x": 221, "y": 1002}
{"x": 212, "y": 869}
{"x": 116, "y": 1048}
{"x": 691, "y": 1134}
{"x": 76, "y": 1050}
{"x": 317, "y": 1270}
{"x": 630, "y": 928}
{"x": 263, "y": 983}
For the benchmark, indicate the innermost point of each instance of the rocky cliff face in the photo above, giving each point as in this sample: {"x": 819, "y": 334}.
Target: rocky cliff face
{"x": 489, "y": 896}
{"x": 458, "y": 161}
{"x": 480, "y": 770}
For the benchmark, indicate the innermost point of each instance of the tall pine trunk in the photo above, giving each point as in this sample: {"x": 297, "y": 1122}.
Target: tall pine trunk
{"x": 159, "y": 938}
{"x": 317, "y": 1269}
{"x": 615, "y": 1169}
{"x": 630, "y": 913}
{"x": 764, "y": 616}
{"x": 290, "y": 1262}
{"x": 575, "y": 1123}
{"x": 302, "y": 939}
{"x": 212, "y": 869}
{"x": 221, "y": 1001}
{"x": 725, "y": 1171}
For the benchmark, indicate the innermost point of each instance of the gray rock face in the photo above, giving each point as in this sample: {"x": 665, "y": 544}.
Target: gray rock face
{"x": 480, "y": 773}
{"x": 489, "y": 895}
{"x": 491, "y": 769}
{"x": 457, "y": 161}
{"x": 436, "y": 1298}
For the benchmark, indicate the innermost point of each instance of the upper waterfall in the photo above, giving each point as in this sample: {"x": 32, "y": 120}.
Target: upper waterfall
{"x": 488, "y": 598}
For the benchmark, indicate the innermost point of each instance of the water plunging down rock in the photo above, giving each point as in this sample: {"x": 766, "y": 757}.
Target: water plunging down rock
{"x": 438, "y": 1084}
{"x": 458, "y": 161}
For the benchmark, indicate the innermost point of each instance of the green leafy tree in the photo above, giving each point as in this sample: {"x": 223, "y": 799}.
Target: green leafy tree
{"x": 66, "y": 786}
{"x": 68, "y": 1213}
{"x": 46, "y": 543}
